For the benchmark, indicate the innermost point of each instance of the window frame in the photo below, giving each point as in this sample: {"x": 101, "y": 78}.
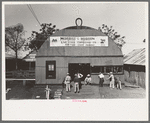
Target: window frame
{"x": 105, "y": 67}
{"x": 50, "y": 74}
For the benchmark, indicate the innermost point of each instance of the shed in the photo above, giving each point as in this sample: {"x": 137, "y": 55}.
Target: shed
{"x": 134, "y": 67}
{"x": 77, "y": 49}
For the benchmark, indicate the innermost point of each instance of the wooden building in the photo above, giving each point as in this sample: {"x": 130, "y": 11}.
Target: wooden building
{"x": 77, "y": 49}
{"x": 134, "y": 67}
{"x": 30, "y": 60}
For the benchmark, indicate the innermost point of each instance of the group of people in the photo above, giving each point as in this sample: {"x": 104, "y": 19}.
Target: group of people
{"x": 114, "y": 81}
{"x": 77, "y": 82}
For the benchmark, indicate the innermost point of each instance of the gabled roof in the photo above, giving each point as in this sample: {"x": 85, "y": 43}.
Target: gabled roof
{"x": 11, "y": 54}
{"x": 136, "y": 57}
{"x": 30, "y": 56}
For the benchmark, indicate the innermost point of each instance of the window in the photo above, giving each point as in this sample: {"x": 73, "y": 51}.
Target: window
{"x": 50, "y": 69}
{"x": 107, "y": 69}
{"x": 97, "y": 69}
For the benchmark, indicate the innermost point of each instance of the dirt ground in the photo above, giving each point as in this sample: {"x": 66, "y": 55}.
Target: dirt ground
{"x": 31, "y": 91}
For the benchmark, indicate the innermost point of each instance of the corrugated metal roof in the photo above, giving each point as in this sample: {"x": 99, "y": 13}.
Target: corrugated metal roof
{"x": 136, "y": 57}
{"x": 9, "y": 56}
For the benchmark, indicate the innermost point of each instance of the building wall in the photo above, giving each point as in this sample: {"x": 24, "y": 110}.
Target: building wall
{"x": 100, "y": 56}
{"x": 95, "y": 78}
{"x": 62, "y": 67}
{"x": 135, "y": 74}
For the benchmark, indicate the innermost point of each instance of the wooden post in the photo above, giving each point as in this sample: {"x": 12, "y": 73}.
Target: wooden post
{"x": 47, "y": 92}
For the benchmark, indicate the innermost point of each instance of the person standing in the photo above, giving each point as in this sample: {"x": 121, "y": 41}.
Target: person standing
{"x": 112, "y": 80}
{"x": 87, "y": 80}
{"x": 76, "y": 83}
{"x": 67, "y": 82}
{"x": 80, "y": 76}
{"x": 101, "y": 79}
{"x": 118, "y": 83}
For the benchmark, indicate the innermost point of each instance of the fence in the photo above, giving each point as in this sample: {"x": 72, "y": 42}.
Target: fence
{"x": 21, "y": 74}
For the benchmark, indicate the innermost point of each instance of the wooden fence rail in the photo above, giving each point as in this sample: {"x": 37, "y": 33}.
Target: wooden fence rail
{"x": 21, "y": 74}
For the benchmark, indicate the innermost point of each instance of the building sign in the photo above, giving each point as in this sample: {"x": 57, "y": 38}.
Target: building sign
{"x": 79, "y": 41}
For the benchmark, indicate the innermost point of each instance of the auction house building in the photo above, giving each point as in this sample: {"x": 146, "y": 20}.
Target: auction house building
{"x": 77, "y": 49}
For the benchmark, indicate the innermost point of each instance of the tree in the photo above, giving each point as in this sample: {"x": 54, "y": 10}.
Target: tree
{"x": 14, "y": 39}
{"x": 38, "y": 38}
{"x": 113, "y": 35}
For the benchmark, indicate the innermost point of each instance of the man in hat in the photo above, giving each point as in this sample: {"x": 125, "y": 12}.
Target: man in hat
{"x": 67, "y": 82}
{"x": 80, "y": 76}
{"x": 77, "y": 81}
{"x": 87, "y": 80}
{"x": 112, "y": 80}
{"x": 101, "y": 79}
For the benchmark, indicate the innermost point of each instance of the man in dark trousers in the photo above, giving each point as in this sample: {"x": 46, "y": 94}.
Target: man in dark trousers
{"x": 80, "y": 76}
{"x": 76, "y": 83}
{"x": 101, "y": 79}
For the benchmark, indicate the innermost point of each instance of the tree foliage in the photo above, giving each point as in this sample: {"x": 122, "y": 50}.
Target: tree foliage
{"x": 113, "y": 35}
{"x": 38, "y": 38}
{"x": 14, "y": 38}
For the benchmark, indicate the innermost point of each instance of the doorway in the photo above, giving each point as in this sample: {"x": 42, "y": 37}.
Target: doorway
{"x": 83, "y": 68}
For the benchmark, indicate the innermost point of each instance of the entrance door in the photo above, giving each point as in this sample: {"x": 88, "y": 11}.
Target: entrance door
{"x": 83, "y": 68}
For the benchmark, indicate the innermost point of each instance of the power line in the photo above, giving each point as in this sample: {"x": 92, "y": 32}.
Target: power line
{"x": 33, "y": 13}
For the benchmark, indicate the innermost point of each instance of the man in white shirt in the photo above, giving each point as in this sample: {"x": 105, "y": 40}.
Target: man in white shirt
{"x": 79, "y": 76}
{"x": 101, "y": 79}
{"x": 112, "y": 80}
{"x": 67, "y": 82}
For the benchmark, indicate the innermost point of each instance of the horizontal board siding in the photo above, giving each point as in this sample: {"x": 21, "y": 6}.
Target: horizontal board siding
{"x": 62, "y": 67}
{"x": 97, "y": 61}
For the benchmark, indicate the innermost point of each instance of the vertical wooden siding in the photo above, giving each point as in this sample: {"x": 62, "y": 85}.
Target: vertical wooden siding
{"x": 135, "y": 78}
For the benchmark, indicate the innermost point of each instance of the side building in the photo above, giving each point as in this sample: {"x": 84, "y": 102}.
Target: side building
{"x": 134, "y": 67}
{"x": 77, "y": 49}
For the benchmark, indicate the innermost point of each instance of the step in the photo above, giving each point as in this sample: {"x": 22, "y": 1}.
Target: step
{"x": 59, "y": 90}
{"x": 56, "y": 94}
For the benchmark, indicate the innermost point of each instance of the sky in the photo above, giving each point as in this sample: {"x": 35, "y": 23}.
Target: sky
{"x": 129, "y": 19}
